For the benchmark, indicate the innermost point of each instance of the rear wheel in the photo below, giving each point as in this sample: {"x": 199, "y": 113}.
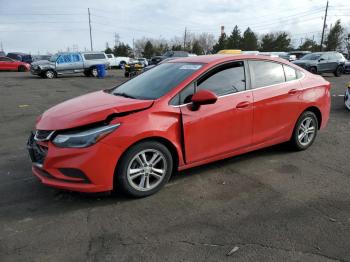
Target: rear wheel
{"x": 339, "y": 71}
{"x": 87, "y": 73}
{"x": 305, "y": 131}
{"x": 93, "y": 72}
{"x": 21, "y": 69}
{"x": 144, "y": 169}
{"x": 50, "y": 74}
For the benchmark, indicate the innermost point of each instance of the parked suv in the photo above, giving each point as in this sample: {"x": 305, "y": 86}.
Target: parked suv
{"x": 70, "y": 63}
{"x": 26, "y": 58}
{"x": 156, "y": 59}
{"x": 323, "y": 62}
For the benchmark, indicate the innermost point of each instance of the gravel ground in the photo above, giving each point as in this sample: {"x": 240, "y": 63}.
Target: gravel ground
{"x": 273, "y": 204}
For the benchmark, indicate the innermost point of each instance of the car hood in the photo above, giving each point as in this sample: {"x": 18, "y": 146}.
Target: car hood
{"x": 87, "y": 109}
{"x": 41, "y": 62}
{"x": 305, "y": 62}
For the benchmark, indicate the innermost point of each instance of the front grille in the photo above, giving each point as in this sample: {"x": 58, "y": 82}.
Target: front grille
{"x": 43, "y": 135}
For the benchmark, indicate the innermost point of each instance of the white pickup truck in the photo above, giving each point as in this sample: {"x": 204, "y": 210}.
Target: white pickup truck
{"x": 119, "y": 61}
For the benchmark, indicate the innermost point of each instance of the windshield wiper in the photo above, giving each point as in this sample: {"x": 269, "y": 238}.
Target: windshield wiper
{"x": 124, "y": 95}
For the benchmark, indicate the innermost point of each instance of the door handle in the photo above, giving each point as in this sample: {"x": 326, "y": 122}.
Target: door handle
{"x": 293, "y": 91}
{"x": 243, "y": 104}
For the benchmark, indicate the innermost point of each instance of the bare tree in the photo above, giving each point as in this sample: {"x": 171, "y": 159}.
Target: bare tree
{"x": 206, "y": 41}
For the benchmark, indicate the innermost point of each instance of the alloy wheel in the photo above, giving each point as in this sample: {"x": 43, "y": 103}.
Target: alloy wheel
{"x": 147, "y": 169}
{"x": 306, "y": 131}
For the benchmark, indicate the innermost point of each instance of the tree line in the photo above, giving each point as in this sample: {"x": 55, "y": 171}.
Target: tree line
{"x": 205, "y": 43}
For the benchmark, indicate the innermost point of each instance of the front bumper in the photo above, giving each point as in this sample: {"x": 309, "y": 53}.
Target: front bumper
{"x": 347, "y": 98}
{"x": 89, "y": 169}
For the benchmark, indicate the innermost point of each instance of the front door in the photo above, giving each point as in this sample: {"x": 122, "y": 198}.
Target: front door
{"x": 225, "y": 126}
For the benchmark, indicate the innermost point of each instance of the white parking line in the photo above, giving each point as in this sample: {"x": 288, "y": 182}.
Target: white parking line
{"x": 337, "y": 95}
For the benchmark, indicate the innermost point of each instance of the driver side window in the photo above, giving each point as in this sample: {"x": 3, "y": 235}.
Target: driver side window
{"x": 225, "y": 79}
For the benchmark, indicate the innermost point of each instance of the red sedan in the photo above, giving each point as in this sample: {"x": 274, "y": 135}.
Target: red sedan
{"x": 8, "y": 64}
{"x": 180, "y": 114}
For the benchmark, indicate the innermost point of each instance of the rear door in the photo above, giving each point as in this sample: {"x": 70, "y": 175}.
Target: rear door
{"x": 77, "y": 62}
{"x": 276, "y": 102}
{"x": 222, "y": 127}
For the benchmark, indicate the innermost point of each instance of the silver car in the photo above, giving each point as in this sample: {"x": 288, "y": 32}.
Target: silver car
{"x": 70, "y": 63}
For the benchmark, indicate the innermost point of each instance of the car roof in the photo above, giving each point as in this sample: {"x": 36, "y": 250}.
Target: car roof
{"x": 208, "y": 59}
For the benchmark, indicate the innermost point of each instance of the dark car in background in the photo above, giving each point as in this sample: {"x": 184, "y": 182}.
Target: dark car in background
{"x": 299, "y": 54}
{"x": 156, "y": 59}
{"x": 347, "y": 67}
{"x": 26, "y": 58}
{"x": 323, "y": 62}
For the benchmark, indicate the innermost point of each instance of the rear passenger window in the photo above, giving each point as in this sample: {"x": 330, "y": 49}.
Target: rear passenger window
{"x": 223, "y": 80}
{"x": 76, "y": 58}
{"x": 266, "y": 73}
{"x": 290, "y": 73}
{"x": 67, "y": 59}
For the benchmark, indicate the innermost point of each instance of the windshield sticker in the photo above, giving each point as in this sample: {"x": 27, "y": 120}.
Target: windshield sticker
{"x": 190, "y": 67}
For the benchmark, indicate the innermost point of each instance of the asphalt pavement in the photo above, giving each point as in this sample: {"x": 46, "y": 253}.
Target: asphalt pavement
{"x": 270, "y": 205}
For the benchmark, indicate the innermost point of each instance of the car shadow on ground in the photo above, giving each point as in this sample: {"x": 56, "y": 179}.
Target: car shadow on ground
{"x": 112, "y": 197}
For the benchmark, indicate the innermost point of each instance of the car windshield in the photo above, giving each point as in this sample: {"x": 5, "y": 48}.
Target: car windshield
{"x": 155, "y": 83}
{"x": 54, "y": 58}
{"x": 311, "y": 57}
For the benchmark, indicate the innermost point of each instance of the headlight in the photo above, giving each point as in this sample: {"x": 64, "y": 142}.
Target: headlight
{"x": 84, "y": 138}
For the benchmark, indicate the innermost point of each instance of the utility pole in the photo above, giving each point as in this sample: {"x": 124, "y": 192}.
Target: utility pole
{"x": 133, "y": 46}
{"x": 185, "y": 36}
{"x": 116, "y": 39}
{"x": 90, "y": 29}
{"x": 324, "y": 26}
{"x": 1, "y": 46}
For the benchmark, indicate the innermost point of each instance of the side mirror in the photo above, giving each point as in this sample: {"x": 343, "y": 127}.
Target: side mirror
{"x": 203, "y": 97}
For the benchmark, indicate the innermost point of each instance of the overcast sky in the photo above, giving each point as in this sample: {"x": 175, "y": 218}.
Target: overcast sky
{"x": 48, "y": 26}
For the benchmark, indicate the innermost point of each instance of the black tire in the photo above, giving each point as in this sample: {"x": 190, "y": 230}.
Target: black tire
{"x": 126, "y": 74}
{"x": 295, "y": 140}
{"x": 21, "y": 69}
{"x": 50, "y": 74}
{"x": 87, "y": 73}
{"x": 93, "y": 71}
{"x": 313, "y": 70}
{"x": 123, "y": 180}
{"x": 339, "y": 71}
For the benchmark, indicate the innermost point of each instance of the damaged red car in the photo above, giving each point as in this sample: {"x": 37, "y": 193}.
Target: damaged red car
{"x": 180, "y": 114}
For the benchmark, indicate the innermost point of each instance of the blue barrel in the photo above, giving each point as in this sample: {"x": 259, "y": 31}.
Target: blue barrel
{"x": 101, "y": 71}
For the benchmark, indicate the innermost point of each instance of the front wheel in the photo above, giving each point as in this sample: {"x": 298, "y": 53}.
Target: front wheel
{"x": 144, "y": 169}
{"x": 49, "y": 74}
{"x": 313, "y": 70}
{"x": 21, "y": 69}
{"x": 305, "y": 131}
{"x": 339, "y": 71}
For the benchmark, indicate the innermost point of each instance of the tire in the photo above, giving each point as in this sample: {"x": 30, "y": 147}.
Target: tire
{"x": 50, "y": 74}
{"x": 93, "y": 72}
{"x": 339, "y": 71}
{"x": 21, "y": 69}
{"x": 154, "y": 176}
{"x": 126, "y": 74}
{"x": 87, "y": 73}
{"x": 313, "y": 70}
{"x": 304, "y": 134}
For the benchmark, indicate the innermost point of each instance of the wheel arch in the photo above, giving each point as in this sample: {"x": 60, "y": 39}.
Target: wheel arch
{"x": 317, "y": 112}
{"x": 166, "y": 142}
